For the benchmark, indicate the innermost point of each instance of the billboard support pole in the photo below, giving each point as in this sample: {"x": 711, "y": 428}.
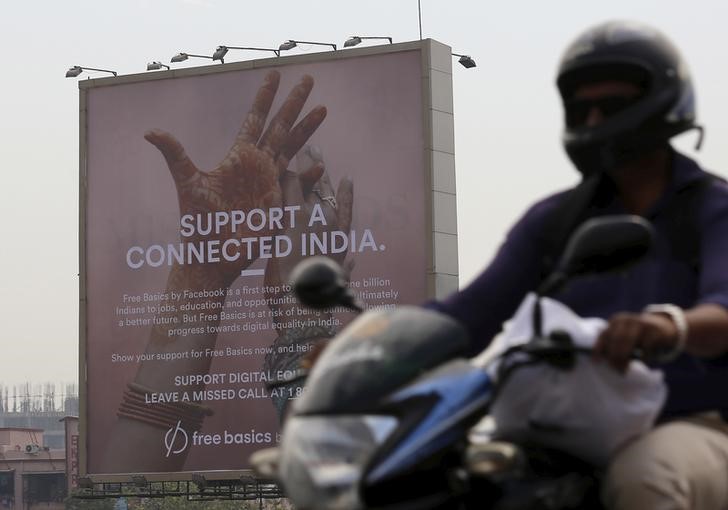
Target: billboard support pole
{"x": 419, "y": 14}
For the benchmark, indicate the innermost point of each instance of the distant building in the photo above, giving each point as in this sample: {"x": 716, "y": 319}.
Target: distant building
{"x": 32, "y": 474}
{"x": 53, "y": 435}
{"x": 39, "y": 407}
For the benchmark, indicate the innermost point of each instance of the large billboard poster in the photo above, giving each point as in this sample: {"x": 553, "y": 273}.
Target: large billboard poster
{"x": 202, "y": 191}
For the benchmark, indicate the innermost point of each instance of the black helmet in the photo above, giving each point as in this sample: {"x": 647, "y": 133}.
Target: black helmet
{"x": 632, "y": 52}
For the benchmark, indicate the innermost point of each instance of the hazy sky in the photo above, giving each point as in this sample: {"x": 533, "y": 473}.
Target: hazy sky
{"x": 507, "y": 116}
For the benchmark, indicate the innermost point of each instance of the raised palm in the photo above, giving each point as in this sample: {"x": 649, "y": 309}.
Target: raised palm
{"x": 248, "y": 177}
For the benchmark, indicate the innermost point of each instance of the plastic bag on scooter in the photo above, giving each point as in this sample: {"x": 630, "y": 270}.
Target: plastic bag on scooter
{"x": 588, "y": 411}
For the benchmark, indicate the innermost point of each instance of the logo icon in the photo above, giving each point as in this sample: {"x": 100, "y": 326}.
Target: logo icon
{"x": 170, "y": 439}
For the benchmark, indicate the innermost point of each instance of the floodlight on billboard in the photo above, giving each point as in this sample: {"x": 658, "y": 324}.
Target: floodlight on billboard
{"x": 182, "y": 56}
{"x": 154, "y": 66}
{"x": 290, "y": 44}
{"x": 222, "y": 50}
{"x": 355, "y": 40}
{"x": 465, "y": 60}
{"x": 76, "y": 70}
{"x": 199, "y": 199}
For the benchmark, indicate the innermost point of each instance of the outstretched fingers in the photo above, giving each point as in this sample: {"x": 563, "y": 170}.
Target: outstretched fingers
{"x": 310, "y": 177}
{"x": 275, "y": 136}
{"x": 300, "y": 134}
{"x": 345, "y": 201}
{"x": 180, "y": 165}
{"x": 254, "y": 122}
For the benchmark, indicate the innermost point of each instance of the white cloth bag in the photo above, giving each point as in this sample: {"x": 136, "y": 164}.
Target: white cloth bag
{"x": 588, "y": 411}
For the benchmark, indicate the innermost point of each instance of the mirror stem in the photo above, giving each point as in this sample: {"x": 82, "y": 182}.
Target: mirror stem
{"x": 552, "y": 284}
{"x": 351, "y": 302}
{"x": 537, "y": 318}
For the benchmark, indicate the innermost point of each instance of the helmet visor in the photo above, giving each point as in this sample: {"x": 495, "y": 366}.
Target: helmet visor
{"x": 578, "y": 110}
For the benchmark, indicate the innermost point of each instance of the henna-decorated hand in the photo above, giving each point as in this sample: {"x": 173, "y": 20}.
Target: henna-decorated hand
{"x": 311, "y": 187}
{"x": 248, "y": 177}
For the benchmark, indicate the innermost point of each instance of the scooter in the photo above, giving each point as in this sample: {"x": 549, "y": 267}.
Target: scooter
{"x": 387, "y": 417}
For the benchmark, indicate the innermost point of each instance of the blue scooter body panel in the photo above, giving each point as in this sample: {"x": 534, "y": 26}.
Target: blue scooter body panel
{"x": 462, "y": 392}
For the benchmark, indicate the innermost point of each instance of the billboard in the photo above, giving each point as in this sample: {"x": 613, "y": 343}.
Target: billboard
{"x": 200, "y": 191}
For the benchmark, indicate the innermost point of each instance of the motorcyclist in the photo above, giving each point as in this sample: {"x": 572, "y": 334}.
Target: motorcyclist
{"x": 626, "y": 92}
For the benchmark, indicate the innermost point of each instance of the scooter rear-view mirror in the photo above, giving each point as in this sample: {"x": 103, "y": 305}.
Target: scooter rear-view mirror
{"x": 601, "y": 245}
{"x": 319, "y": 282}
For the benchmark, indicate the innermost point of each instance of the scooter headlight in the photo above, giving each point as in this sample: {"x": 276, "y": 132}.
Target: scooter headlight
{"x": 322, "y": 458}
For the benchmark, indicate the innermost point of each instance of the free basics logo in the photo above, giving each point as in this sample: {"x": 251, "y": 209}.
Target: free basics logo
{"x": 176, "y": 440}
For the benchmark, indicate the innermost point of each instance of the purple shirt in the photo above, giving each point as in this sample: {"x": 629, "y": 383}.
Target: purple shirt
{"x": 694, "y": 384}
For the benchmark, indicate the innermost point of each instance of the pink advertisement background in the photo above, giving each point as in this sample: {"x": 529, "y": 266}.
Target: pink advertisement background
{"x": 373, "y": 133}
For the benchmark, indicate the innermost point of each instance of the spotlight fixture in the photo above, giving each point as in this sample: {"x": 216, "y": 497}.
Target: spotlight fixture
{"x": 200, "y": 481}
{"x": 221, "y": 51}
{"x": 76, "y": 70}
{"x": 355, "y": 39}
{"x": 154, "y": 66}
{"x": 139, "y": 481}
{"x": 290, "y": 44}
{"x": 85, "y": 482}
{"x": 465, "y": 60}
{"x": 181, "y": 57}
{"x": 248, "y": 480}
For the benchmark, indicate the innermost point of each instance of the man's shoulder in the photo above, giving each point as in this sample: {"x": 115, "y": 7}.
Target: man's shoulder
{"x": 547, "y": 204}
{"x": 701, "y": 197}
{"x": 689, "y": 171}
{"x": 535, "y": 221}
